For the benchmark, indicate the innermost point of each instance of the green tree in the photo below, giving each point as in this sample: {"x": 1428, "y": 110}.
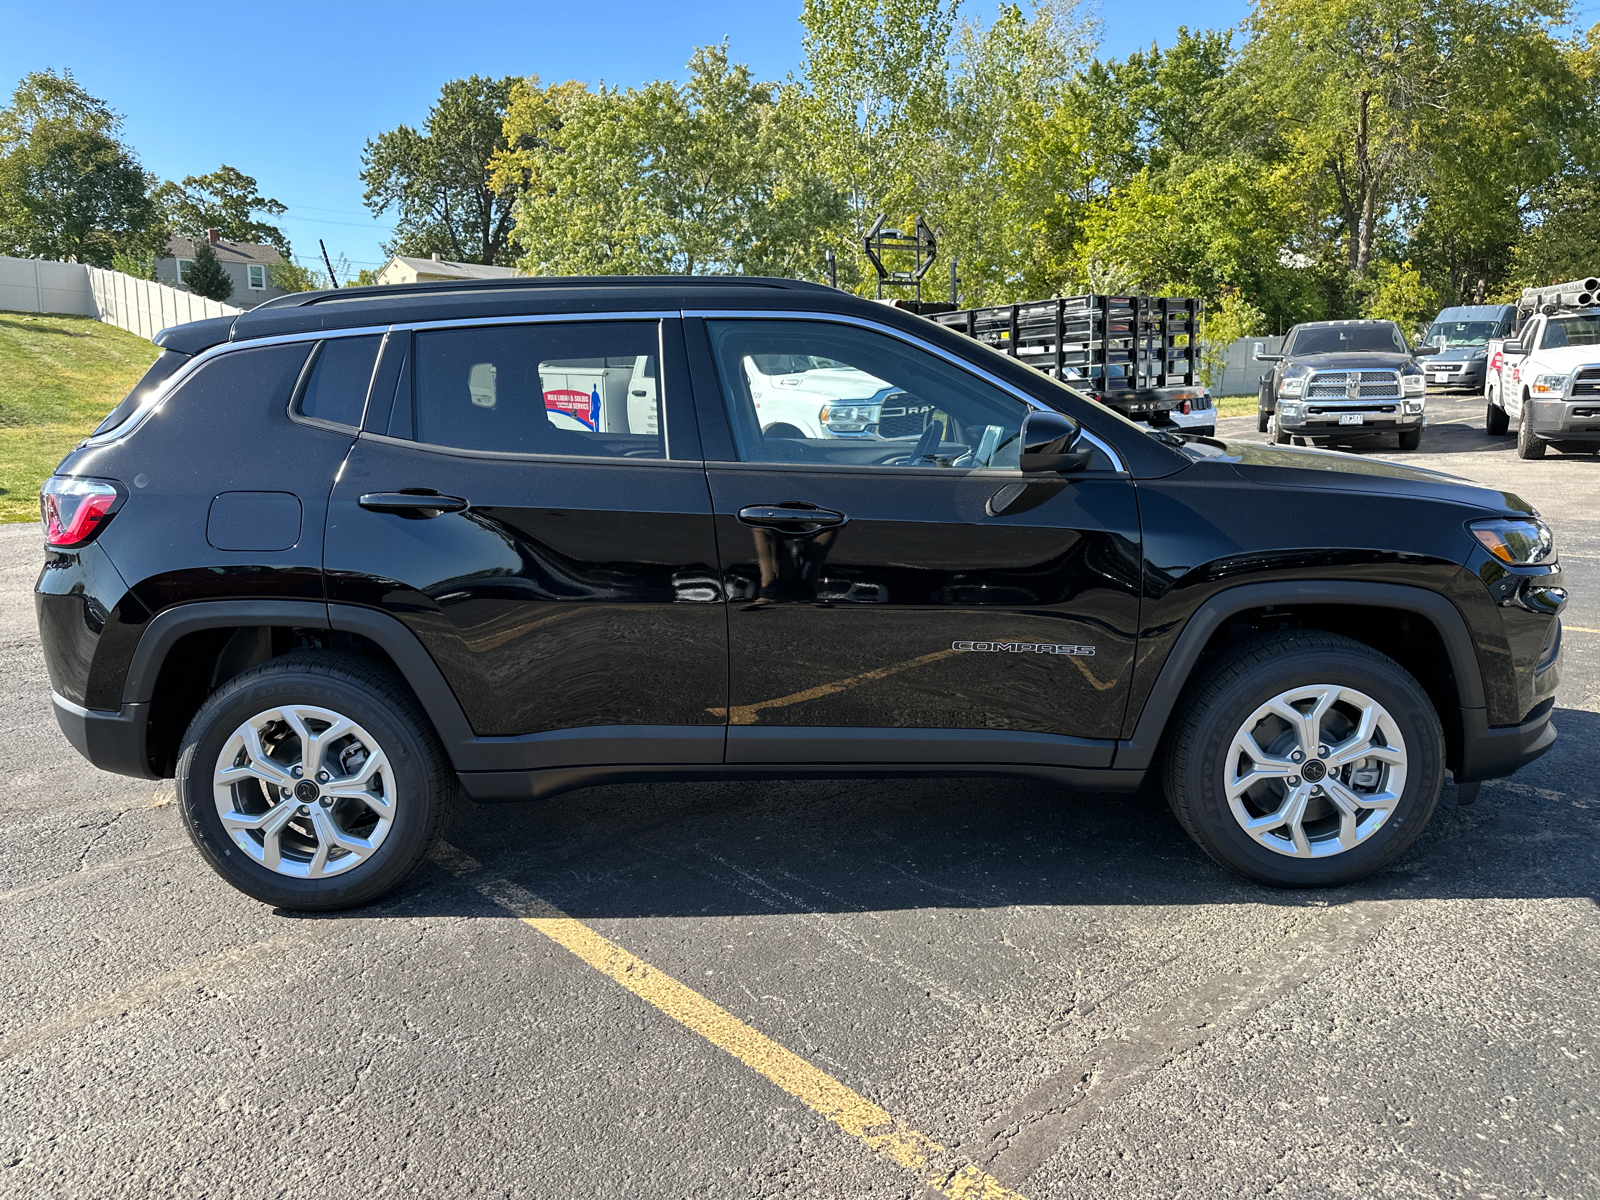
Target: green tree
{"x": 291, "y": 276}
{"x": 69, "y": 189}
{"x": 226, "y": 200}
{"x": 452, "y": 188}
{"x": 706, "y": 177}
{"x": 141, "y": 264}
{"x": 205, "y": 276}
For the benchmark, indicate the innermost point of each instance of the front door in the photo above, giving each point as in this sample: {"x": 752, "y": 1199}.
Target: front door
{"x": 544, "y": 529}
{"x": 897, "y": 588}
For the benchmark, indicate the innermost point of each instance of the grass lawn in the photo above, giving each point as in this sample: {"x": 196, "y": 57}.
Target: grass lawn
{"x": 59, "y": 376}
{"x": 1235, "y": 406}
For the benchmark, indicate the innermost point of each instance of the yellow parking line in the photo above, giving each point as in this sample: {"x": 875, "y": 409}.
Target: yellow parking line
{"x": 877, "y": 1128}
{"x": 1579, "y": 629}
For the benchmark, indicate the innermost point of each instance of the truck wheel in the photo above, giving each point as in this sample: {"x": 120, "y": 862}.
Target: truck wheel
{"x": 1261, "y": 420}
{"x": 1410, "y": 439}
{"x": 1279, "y": 437}
{"x": 782, "y": 430}
{"x": 1495, "y": 420}
{"x": 1305, "y": 759}
{"x": 313, "y": 781}
{"x": 1528, "y": 446}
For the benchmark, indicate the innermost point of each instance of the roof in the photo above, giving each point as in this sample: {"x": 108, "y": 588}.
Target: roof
{"x": 1470, "y": 312}
{"x": 238, "y": 252}
{"x": 455, "y": 270}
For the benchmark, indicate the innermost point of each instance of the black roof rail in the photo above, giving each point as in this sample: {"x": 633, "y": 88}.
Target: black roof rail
{"x": 535, "y": 282}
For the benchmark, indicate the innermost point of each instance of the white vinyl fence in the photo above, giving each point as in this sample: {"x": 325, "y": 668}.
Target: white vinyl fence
{"x": 137, "y": 305}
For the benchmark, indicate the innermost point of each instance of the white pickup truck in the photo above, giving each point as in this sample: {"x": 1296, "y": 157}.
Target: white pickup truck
{"x": 1545, "y": 382}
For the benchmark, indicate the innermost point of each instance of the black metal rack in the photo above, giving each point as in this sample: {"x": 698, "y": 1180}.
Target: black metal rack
{"x": 1108, "y": 344}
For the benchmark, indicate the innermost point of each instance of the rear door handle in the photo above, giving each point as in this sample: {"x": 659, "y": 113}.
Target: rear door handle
{"x": 790, "y": 519}
{"x": 412, "y": 504}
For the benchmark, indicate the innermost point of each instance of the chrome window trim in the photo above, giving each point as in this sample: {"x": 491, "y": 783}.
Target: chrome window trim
{"x": 718, "y": 314}
{"x": 140, "y": 415}
{"x": 534, "y": 319}
{"x": 588, "y": 460}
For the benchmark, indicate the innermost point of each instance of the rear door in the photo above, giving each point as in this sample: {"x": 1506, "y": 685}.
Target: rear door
{"x": 897, "y": 589}
{"x": 546, "y": 536}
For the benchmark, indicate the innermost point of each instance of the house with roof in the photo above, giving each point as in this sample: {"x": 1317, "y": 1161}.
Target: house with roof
{"x": 247, "y": 264}
{"x": 401, "y": 269}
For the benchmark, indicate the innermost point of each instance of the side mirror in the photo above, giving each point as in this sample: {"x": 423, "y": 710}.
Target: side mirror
{"x": 1268, "y": 357}
{"x": 1050, "y": 443}
{"x": 1424, "y": 351}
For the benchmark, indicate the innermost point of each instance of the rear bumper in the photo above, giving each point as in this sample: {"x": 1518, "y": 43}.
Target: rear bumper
{"x": 112, "y": 741}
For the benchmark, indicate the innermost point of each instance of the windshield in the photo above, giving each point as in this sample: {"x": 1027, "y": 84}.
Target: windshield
{"x": 1461, "y": 333}
{"x": 1572, "y": 331}
{"x": 1336, "y": 339}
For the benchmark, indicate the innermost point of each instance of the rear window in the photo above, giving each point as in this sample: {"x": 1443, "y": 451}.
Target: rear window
{"x": 336, "y": 386}
{"x": 160, "y": 371}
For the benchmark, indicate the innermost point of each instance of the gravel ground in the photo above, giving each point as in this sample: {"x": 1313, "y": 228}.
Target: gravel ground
{"x": 1058, "y": 986}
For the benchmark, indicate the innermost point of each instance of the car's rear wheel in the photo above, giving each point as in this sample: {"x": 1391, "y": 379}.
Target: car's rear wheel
{"x": 313, "y": 781}
{"x": 1261, "y": 420}
{"x": 1528, "y": 446}
{"x": 1305, "y": 760}
{"x": 1495, "y": 420}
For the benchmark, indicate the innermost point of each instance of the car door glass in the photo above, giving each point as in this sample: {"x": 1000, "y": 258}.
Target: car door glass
{"x": 581, "y": 389}
{"x": 826, "y": 393}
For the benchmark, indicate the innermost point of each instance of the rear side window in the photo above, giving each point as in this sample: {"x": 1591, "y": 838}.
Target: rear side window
{"x": 336, "y": 385}
{"x": 578, "y": 389}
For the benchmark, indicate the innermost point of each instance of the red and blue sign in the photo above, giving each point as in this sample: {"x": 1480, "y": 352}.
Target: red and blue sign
{"x": 582, "y": 407}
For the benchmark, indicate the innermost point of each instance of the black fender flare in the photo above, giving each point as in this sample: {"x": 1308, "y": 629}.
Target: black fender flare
{"x": 1138, "y": 751}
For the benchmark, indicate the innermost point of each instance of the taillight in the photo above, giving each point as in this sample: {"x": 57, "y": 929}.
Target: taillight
{"x": 75, "y": 510}
{"x": 1184, "y": 408}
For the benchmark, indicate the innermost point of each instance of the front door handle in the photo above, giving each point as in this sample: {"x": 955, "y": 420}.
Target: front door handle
{"x": 790, "y": 518}
{"x": 416, "y": 505}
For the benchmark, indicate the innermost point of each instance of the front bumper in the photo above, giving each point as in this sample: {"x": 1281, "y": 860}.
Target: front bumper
{"x": 1327, "y": 423}
{"x": 1495, "y": 752}
{"x": 1469, "y": 374}
{"x": 1559, "y": 420}
{"x": 112, "y": 741}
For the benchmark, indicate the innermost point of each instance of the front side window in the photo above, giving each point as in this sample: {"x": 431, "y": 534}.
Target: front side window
{"x": 819, "y": 392}
{"x": 258, "y": 278}
{"x": 579, "y": 389}
{"x": 336, "y": 386}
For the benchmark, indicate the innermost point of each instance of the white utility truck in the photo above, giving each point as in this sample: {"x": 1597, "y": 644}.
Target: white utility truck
{"x": 1544, "y": 381}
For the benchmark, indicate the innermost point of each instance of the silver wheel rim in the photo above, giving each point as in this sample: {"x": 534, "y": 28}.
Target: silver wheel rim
{"x": 304, "y": 791}
{"x": 1315, "y": 771}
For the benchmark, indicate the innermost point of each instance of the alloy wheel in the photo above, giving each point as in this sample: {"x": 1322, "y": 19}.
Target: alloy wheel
{"x": 1315, "y": 771}
{"x": 304, "y": 791}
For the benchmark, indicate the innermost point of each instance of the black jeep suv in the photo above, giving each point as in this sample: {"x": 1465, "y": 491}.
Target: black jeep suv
{"x": 346, "y": 553}
{"x": 1341, "y": 381}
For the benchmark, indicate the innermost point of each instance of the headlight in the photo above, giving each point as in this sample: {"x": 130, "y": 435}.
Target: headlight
{"x": 848, "y": 418}
{"x": 1550, "y": 385}
{"x": 1292, "y": 387}
{"x": 1519, "y": 541}
{"x": 1414, "y": 385}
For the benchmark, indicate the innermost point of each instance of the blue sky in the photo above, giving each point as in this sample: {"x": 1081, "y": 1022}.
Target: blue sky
{"x": 290, "y": 92}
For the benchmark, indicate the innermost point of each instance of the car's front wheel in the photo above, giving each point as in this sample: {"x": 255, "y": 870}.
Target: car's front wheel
{"x": 313, "y": 781}
{"x": 1410, "y": 439}
{"x": 1305, "y": 759}
{"x": 1528, "y": 446}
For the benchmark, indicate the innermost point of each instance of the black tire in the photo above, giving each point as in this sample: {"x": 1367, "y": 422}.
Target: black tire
{"x": 1279, "y": 437}
{"x": 1232, "y": 687}
{"x": 1495, "y": 419}
{"x": 1528, "y": 446}
{"x": 1410, "y": 439}
{"x": 379, "y": 703}
{"x": 782, "y": 429}
{"x": 1261, "y": 420}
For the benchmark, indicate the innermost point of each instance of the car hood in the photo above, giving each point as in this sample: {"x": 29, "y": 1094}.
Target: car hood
{"x": 1281, "y": 466}
{"x": 1568, "y": 357}
{"x": 1350, "y": 360}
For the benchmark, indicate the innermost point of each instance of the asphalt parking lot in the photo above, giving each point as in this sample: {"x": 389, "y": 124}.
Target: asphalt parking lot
{"x": 831, "y": 989}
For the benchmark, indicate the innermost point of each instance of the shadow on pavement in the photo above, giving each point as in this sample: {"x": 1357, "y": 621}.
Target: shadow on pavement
{"x": 664, "y": 850}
